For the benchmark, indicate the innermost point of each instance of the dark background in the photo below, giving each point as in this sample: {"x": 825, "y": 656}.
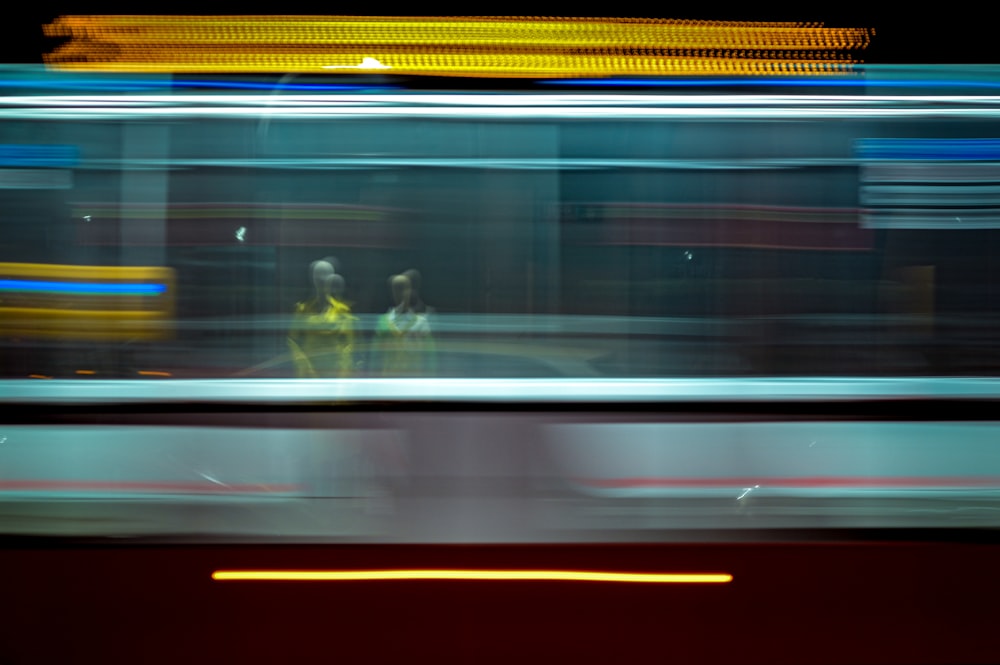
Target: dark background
{"x": 946, "y": 34}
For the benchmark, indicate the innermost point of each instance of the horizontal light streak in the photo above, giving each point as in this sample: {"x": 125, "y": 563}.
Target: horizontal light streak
{"x": 495, "y": 31}
{"x": 34, "y": 286}
{"x": 504, "y": 113}
{"x": 470, "y": 575}
{"x": 490, "y": 163}
{"x": 43, "y": 300}
{"x": 914, "y": 150}
{"x": 463, "y": 46}
{"x": 899, "y": 171}
{"x": 237, "y": 210}
{"x": 473, "y": 65}
{"x": 526, "y": 100}
{"x": 139, "y": 85}
{"x": 61, "y": 272}
{"x": 81, "y": 319}
{"x": 866, "y": 77}
{"x": 762, "y": 484}
{"x": 858, "y": 81}
{"x": 142, "y": 487}
{"x": 555, "y": 391}
{"x": 903, "y": 218}
{"x": 20, "y": 155}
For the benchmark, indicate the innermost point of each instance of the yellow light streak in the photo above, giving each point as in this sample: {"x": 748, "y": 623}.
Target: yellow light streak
{"x": 81, "y": 317}
{"x": 151, "y": 373}
{"x": 70, "y": 316}
{"x": 464, "y": 46}
{"x": 85, "y": 273}
{"x": 480, "y": 575}
{"x": 512, "y": 66}
{"x": 87, "y": 372}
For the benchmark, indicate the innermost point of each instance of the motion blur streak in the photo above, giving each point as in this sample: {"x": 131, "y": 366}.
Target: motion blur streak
{"x": 27, "y": 286}
{"x": 483, "y": 47}
{"x": 507, "y": 314}
{"x": 86, "y": 302}
{"x": 511, "y": 575}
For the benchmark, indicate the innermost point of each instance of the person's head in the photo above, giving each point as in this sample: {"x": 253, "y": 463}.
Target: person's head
{"x": 416, "y": 301}
{"x": 333, "y": 261}
{"x": 401, "y": 290}
{"x": 414, "y": 278}
{"x": 335, "y": 286}
{"x": 321, "y": 271}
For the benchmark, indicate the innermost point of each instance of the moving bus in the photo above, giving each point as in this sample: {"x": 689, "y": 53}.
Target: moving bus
{"x": 741, "y": 331}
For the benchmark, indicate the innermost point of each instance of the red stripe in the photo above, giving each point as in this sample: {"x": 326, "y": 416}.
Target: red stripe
{"x": 803, "y": 482}
{"x": 107, "y": 486}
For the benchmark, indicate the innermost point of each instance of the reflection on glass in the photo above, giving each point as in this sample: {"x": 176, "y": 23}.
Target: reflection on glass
{"x": 321, "y": 341}
{"x": 646, "y": 240}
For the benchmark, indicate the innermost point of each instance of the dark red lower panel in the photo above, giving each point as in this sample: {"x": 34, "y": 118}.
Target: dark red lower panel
{"x": 884, "y": 602}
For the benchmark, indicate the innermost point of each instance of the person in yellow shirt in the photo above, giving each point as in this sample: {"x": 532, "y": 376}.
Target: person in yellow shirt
{"x": 321, "y": 341}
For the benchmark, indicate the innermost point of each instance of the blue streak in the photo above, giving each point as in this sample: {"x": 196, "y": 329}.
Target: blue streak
{"x": 812, "y": 82}
{"x": 37, "y": 286}
{"x": 931, "y": 149}
{"x": 38, "y": 155}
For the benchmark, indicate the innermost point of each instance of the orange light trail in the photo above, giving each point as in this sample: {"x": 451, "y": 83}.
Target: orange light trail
{"x": 144, "y": 372}
{"x": 512, "y": 46}
{"x": 474, "y": 575}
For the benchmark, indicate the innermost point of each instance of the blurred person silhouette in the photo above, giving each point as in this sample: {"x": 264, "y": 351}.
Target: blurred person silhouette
{"x": 332, "y": 261}
{"x": 403, "y": 343}
{"x": 416, "y": 302}
{"x": 321, "y": 341}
